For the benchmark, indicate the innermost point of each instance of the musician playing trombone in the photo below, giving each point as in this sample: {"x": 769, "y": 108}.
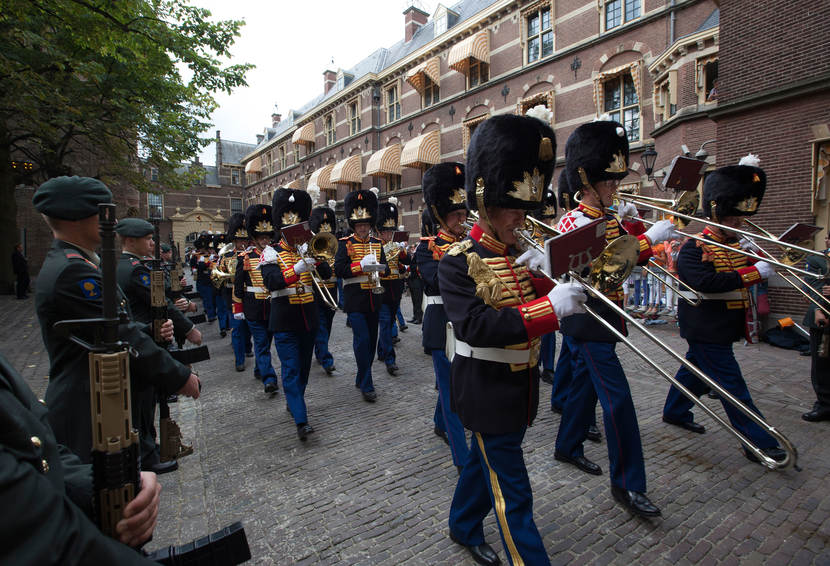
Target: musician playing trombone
{"x": 324, "y": 221}
{"x": 396, "y": 256}
{"x": 596, "y": 159}
{"x": 724, "y": 277}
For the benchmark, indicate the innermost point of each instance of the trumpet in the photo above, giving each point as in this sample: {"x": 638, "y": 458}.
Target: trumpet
{"x": 609, "y": 270}
{"x": 322, "y": 247}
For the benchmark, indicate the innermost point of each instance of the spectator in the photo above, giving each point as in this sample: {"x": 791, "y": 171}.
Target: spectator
{"x": 21, "y": 271}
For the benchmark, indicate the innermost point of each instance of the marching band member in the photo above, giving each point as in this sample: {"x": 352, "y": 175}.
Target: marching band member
{"x": 323, "y": 221}
{"x": 201, "y": 266}
{"x": 446, "y": 202}
{"x": 294, "y": 313}
{"x": 387, "y": 223}
{"x": 596, "y": 159}
{"x": 240, "y": 333}
{"x": 547, "y": 214}
{"x": 222, "y": 311}
{"x": 729, "y": 194}
{"x": 355, "y": 252}
{"x": 499, "y": 312}
{"x": 251, "y": 299}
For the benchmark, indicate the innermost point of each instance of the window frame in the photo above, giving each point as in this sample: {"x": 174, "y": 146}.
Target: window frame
{"x": 479, "y": 65}
{"x": 236, "y": 177}
{"x": 620, "y": 79}
{"x": 354, "y": 118}
{"x": 701, "y": 78}
{"x": 154, "y": 174}
{"x": 529, "y": 12}
{"x": 152, "y": 207}
{"x": 241, "y": 205}
{"x": 396, "y": 105}
{"x": 433, "y": 90}
{"x": 603, "y": 13}
{"x": 282, "y": 157}
{"x": 466, "y": 133}
{"x": 547, "y": 98}
{"x": 330, "y": 133}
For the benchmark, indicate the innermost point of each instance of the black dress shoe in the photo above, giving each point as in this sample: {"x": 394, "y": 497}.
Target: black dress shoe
{"x": 172, "y": 399}
{"x": 249, "y": 354}
{"x": 482, "y": 553}
{"x": 637, "y": 503}
{"x": 392, "y": 370}
{"x": 164, "y": 467}
{"x": 403, "y": 328}
{"x": 442, "y": 434}
{"x": 303, "y": 430}
{"x": 240, "y": 367}
{"x": 271, "y": 386}
{"x": 817, "y": 415}
{"x": 395, "y": 340}
{"x": 370, "y": 396}
{"x": 688, "y": 425}
{"x": 580, "y": 462}
{"x": 223, "y": 333}
{"x": 776, "y": 454}
{"x": 330, "y": 370}
{"x": 547, "y": 376}
{"x": 593, "y": 434}
{"x": 557, "y": 410}
{"x": 257, "y": 375}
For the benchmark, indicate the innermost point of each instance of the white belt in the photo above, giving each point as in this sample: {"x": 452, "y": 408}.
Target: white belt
{"x": 287, "y": 291}
{"x": 354, "y": 280}
{"x": 727, "y": 296}
{"x": 501, "y": 355}
{"x": 256, "y": 289}
{"x": 393, "y": 271}
{"x": 432, "y": 300}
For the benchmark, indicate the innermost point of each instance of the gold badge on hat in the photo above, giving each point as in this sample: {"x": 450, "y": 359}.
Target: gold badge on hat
{"x": 617, "y": 164}
{"x": 290, "y": 218}
{"x": 360, "y": 213}
{"x": 530, "y": 188}
{"x": 325, "y": 227}
{"x": 263, "y": 226}
{"x": 458, "y": 196}
{"x": 748, "y": 205}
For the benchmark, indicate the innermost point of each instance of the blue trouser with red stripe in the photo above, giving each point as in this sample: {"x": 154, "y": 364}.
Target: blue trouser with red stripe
{"x": 450, "y": 421}
{"x": 598, "y": 374}
{"x": 495, "y": 477}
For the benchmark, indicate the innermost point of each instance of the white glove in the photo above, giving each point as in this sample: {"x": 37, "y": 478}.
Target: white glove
{"x": 747, "y": 245}
{"x": 533, "y": 258}
{"x": 239, "y": 315}
{"x": 402, "y": 245}
{"x": 661, "y": 231}
{"x": 580, "y": 220}
{"x": 368, "y": 259}
{"x": 269, "y": 255}
{"x": 627, "y": 210}
{"x": 302, "y": 266}
{"x": 201, "y": 259}
{"x": 303, "y": 248}
{"x": 764, "y": 269}
{"x": 567, "y": 299}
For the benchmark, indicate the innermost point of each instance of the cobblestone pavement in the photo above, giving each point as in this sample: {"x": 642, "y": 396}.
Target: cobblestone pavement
{"x": 374, "y": 484}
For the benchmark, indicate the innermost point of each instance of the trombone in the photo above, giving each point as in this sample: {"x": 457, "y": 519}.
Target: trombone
{"x": 322, "y": 247}
{"x": 697, "y": 297}
{"x": 621, "y": 262}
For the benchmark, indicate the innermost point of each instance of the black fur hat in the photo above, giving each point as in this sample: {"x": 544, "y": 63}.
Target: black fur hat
{"x": 566, "y": 195}
{"x": 219, "y": 240}
{"x": 428, "y": 227}
{"x": 388, "y": 215}
{"x": 548, "y": 208}
{"x": 512, "y": 157}
{"x": 236, "y": 227}
{"x": 361, "y": 206}
{"x": 290, "y": 206}
{"x": 734, "y": 190}
{"x": 596, "y": 151}
{"x": 202, "y": 241}
{"x": 323, "y": 218}
{"x": 443, "y": 186}
{"x": 258, "y": 220}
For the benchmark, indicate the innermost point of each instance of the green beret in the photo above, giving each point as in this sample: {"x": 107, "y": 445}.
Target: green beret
{"x": 71, "y": 198}
{"x": 133, "y": 228}
{"x": 165, "y": 247}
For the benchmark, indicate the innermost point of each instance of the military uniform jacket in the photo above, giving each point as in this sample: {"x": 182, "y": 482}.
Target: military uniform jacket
{"x": 69, "y": 287}
{"x": 255, "y": 304}
{"x": 46, "y": 489}
{"x": 357, "y": 297}
{"x": 134, "y": 279}
{"x": 583, "y": 326}
{"x": 427, "y": 255}
{"x": 295, "y": 312}
{"x": 711, "y": 269}
{"x": 393, "y": 282}
{"x": 203, "y": 266}
{"x": 492, "y": 303}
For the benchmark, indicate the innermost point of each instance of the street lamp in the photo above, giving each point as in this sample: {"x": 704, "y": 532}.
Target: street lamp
{"x": 702, "y": 154}
{"x": 648, "y": 157}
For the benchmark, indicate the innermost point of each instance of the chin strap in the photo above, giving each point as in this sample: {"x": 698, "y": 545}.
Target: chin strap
{"x": 482, "y": 211}
{"x": 440, "y": 220}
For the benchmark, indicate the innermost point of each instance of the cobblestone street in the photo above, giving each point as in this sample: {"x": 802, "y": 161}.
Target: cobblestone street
{"x": 373, "y": 485}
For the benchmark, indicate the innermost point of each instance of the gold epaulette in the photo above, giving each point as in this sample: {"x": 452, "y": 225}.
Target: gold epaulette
{"x": 460, "y": 247}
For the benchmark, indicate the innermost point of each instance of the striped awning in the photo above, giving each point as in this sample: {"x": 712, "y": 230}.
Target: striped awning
{"x": 254, "y": 165}
{"x": 304, "y": 134}
{"x": 322, "y": 178}
{"x": 347, "y": 170}
{"x": 423, "y": 151}
{"x": 474, "y": 47}
{"x": 430, "y": 68}
{"x": 387, "y": 161}
{"x": 295, "y": 184}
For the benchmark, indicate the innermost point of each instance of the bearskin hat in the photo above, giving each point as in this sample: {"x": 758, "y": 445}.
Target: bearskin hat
{"x": 734, "y": 190}
{"x": 361, "y": 206}
{"x": 428, "y": 224}
{"x": 388, "y": 215}
{"x": 444, "y": 189}
{"x": 548, "y": 208}
{"x": 258, "y": 220}
{"x": 290, "y": 206}
{"x": 323, "y": 218}
{"x": 596, "y": 151}
{"x": 236, "y": 227}
{"x": 567, "y": 200}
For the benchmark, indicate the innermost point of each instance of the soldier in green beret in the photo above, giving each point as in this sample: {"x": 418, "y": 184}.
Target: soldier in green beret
{"x": 69, "y": 287}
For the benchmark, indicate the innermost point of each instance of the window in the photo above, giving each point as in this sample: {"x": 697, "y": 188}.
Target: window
{"x": 665, "y": 97}
{"x": 621, "y": 103}
{"x": 330, "y": 129}
{"x": 618, "y": 12}
{"x": 393, "y": 104}
{"x": 707, "y": 79}
{"x": 431, "y": 92}
{"x": 543, "y": 98}
{"x": 354, "y": 118}
{"x": 282, "y": 157}
{"x": 470, "y": 127}
{"x": 155, "y": 205}
{"x": 236, "y": 205}
{"x": 393, "y": 183}
{"x": 479, "y": 73}
{"x": 234, "y": 176}
{"x": 154, "y": 174}
{"x": 539, "y": 34}
{"x": 296, "y": 153}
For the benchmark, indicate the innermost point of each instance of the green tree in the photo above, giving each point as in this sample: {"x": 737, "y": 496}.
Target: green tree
{"x": 95, "y": 87}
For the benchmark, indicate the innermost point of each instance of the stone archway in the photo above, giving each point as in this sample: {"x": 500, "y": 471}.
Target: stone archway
{"x": 197, "y": 220}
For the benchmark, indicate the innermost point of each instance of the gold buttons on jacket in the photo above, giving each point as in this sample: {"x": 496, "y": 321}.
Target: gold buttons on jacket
{"x": 36, "y": 442}
{"x": 44, "y": 466}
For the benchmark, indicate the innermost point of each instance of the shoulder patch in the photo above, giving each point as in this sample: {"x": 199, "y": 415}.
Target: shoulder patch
{"x": 460, "y": 247}
{"x": 90, "y": 288}
{"x": 144, "y": 278}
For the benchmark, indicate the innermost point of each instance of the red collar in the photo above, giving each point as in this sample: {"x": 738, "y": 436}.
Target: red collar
{"x": 488, "y": 241}
{"x": 446, "y": 237}
{"x": 590, "y": 211}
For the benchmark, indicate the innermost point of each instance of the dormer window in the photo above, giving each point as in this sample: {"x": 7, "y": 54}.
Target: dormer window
{"x": 443, "y": 19}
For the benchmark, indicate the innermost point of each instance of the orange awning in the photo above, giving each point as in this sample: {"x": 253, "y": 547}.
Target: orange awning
{"x": 474, "y": 47}
{"x": 347, "y": 170}
{"x": 387, "y": 161}
{"x": 425, "y": 150}
{"x": 430, "y": 68}
{"x": 304, "y": 134}
{"x": 322, "y": 178}
{"x": 254, "y": 165}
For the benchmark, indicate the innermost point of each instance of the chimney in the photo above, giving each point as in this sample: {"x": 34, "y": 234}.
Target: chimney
{"x": 275, "y": 119}
{"x": 413, "y": 19}
{"x": 329, "y": 80}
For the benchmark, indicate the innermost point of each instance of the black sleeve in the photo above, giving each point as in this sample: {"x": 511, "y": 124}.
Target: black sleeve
{"x": 342, "y": 262}
{"x": 427, "y": 265}
{"x": 701, "y": 275}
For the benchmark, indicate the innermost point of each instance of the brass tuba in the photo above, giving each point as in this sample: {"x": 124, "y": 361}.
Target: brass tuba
{"x": 219, "y": 277}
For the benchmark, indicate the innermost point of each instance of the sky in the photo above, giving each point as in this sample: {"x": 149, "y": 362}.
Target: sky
{"x": 292, "y": 42}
